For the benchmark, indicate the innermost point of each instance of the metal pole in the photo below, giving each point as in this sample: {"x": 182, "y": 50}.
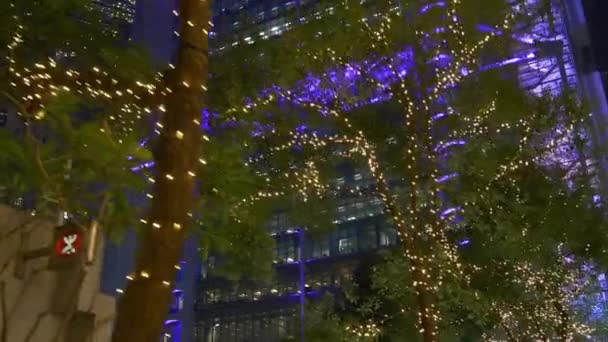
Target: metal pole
{"x": 302, "y": 283}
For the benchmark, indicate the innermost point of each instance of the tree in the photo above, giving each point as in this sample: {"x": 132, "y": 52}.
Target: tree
{"x": 69, "y": 91}
{"x": 83, "y": 68}
{"x": 532, "y": 272}
{"x": 99, "y": 106}
{"x": 176, "y": 155}
{"x": 424, "y": 62}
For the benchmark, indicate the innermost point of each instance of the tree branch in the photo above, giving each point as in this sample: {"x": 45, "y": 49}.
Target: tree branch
{"x": 510, "y": 336}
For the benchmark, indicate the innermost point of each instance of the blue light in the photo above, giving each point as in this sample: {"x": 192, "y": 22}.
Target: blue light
{"x": 449, "y": 211}
{"x": 427, "y": 7}
{"x": 171, "y": 322}
{"x": 143, "y": 166}
{"x": 448, "y": 144}
{"x": 446, "y": 178}
{"x": 464, "y": 242}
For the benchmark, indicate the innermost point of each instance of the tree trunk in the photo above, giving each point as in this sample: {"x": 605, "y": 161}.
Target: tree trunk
{"x": 424, "y": 297}
{"x": 562, "y": 329}
{"x": 145, "y": 304}
{"x": 510, "y": 336}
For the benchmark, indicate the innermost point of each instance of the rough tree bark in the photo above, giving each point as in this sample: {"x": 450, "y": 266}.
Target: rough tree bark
{"x": 145, "y": 304}
{"x": 424, "y": 297}
{"x": 563, "y": 329}
{"x": 510, "y": 336}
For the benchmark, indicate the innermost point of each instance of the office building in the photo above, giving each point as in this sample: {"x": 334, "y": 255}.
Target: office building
{"x": 586, "y": 29}
{"x": 121, "y": 10}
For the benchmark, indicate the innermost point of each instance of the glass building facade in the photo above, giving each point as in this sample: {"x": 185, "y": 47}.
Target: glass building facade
{"x": 122, "y": 10}
{"x": 306, "y": 267}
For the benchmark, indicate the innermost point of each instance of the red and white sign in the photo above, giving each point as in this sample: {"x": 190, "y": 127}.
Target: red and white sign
{"x": 69, "y": 243}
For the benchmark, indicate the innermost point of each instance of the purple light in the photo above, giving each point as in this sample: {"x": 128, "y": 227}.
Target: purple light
{"x": 206, "y": 122}
{"x": 427, "y": 7}
{"x": 171, "y": 322}
{"x": 446, "y": 178}
{"x": 464, "y": 242}
{"x": 449, "y": 211}
{"x": 529, "y": 56}
{"x": 522, "y": 38}
{"x": 310, "y": 89}
{"x": 306, "y": 294}
{"x": 146, "y": 165}
{"x": 287, "y": 232}
{"x": 488, "y": 28}
{"x": 448, "y": 144}
{"x": 603, "y": 282}
{"x": 438, "y": 116}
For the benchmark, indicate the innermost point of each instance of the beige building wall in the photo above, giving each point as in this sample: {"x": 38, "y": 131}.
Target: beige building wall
{"x": 29, "y": 290}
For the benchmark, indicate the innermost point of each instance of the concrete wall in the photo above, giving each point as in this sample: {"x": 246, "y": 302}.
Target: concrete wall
{"x": 28, "y": 297}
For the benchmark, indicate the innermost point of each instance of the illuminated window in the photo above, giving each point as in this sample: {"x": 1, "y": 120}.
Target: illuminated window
{"x": 347, "y": 240}
{"x": 320, "y": 248}
{"x": 384, "y": 239}
{"x": 278, "y": 223}
{"x": 346, "y": 245}
{"x": 286, "y": 251}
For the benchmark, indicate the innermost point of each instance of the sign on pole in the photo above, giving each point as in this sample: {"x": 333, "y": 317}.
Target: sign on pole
{"x": 68, "y": 246}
